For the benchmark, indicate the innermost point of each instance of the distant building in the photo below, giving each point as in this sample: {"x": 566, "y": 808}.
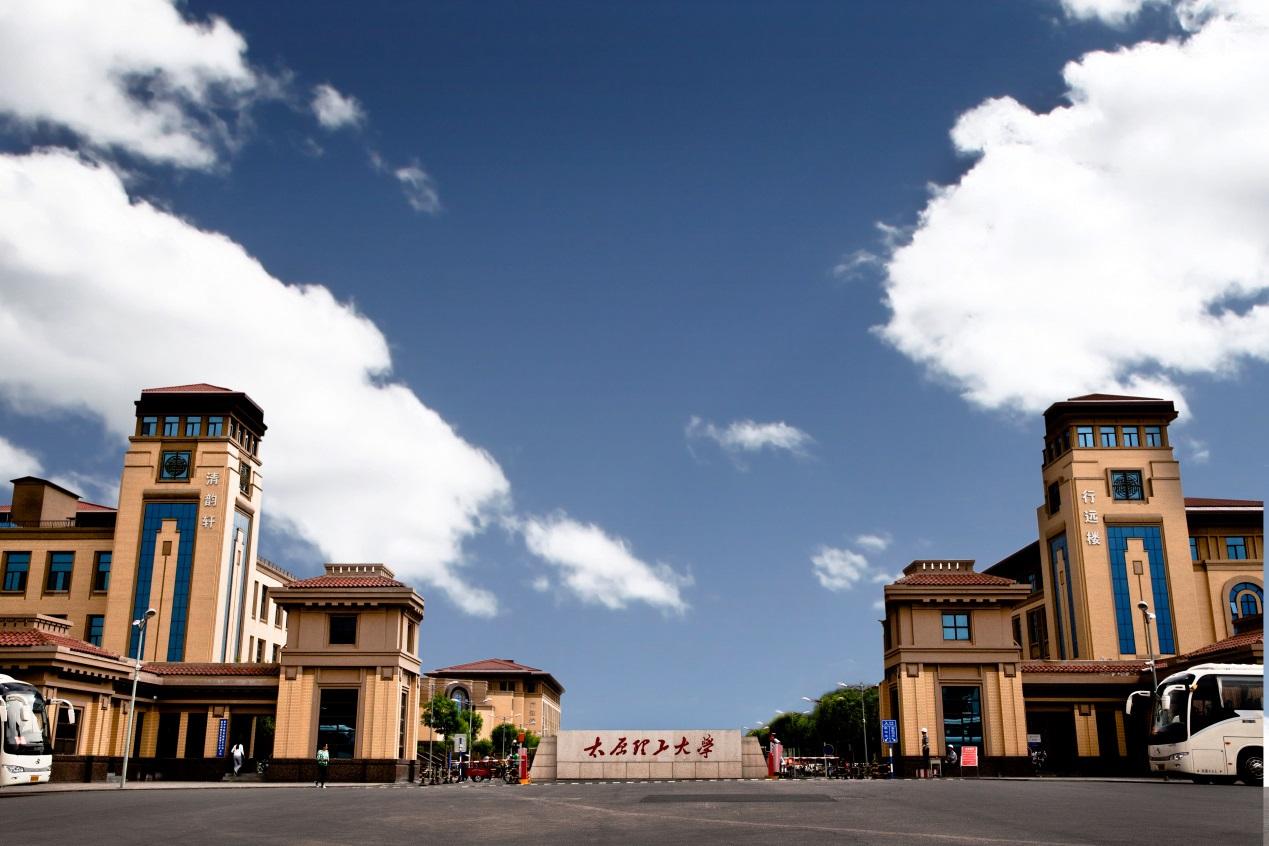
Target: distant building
{"x": 1045, "y": 645}
{"x": 501, "y": 691}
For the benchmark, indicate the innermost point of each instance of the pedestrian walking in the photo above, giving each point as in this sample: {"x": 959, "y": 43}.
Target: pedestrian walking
{"x": 925, "y": 753}
{"x": 952, "y": 757}
{"x": 323, "y": 761}
{"x": 238, "y": 753}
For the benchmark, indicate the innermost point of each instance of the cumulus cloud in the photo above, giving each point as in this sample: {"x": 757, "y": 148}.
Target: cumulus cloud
{"x": 1113, "y": 12}
{"x": 16, "y": 462}
{"x": 747, "y": 436}
{"x": 1119, "y": 243}
{"x": 334, "y": 110}
{"x": 874, "y": 542}
{"x": 842, "y": 569}
{"x": 601, "y": 569}
{"x": 130, "y": 75}
{"x": 101, "y": 296}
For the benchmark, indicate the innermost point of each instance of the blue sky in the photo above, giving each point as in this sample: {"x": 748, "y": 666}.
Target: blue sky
{"x": 646, "y": 340}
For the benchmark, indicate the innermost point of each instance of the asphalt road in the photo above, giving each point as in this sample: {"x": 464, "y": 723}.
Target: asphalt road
{"x": 896, "y": 812}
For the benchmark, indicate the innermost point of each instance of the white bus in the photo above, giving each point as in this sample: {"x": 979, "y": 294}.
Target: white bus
{"x": 26, "y": 755}
{"x": 1208, "y": 723}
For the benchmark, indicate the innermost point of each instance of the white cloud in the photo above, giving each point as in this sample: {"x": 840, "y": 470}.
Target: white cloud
{"x": 873, "y": 542}
{"x": 842, "y": 569}
{"x": 420, "y": 189}
{"x": 16, "y": 462}
{"x": 334, "y": 110}
{"x": 1113, "y": 12}
{"x": 417, "y": 185}
{"x": 101, "y": 296}
{"x": 130, "y": 75}
{"x": 839, "y": 569}
{"x": 601, "y": 569}
{"x": 750, "y": 436}
{"x": 1117, "y": 244}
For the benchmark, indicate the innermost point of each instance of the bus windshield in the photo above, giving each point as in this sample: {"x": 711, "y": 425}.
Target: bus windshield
{"x": 25, "y": 724}
{"x": 1170, "y": 716}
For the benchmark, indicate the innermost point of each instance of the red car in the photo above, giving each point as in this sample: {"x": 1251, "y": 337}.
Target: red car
{"x": 481, "y": 770}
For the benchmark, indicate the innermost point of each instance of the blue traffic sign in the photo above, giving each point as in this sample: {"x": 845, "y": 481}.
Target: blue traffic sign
{"x": 890, "y": 731}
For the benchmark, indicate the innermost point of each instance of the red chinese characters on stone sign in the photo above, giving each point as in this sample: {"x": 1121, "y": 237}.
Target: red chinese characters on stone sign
{"x": 625, "y": 747}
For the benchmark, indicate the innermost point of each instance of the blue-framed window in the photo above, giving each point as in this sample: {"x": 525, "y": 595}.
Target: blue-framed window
{"x": 1154, "y": 436}
{"x": 215, "y": 427}
{"x": 1152, "y": 539}
{"x": 95, "y": 629}
{"x": 1130, "y": 439}
{"x": 1236, "y": 548}
{"x": 171, "y": 427}
{"x": 101, "y": 572}
{"x": 1084, "y": 436}
{"x": 1126, "y": 484}
{"x": 193, "y": 427}
{"x": 1246, "y": 599}
{"x": 149, "y": 426}
{"x": 955, "y": 626}
{"x": 16, "y": 567}
{"x": 1060, "y": 562}
{"x": 1108, "y": 438}
{"x": 1194, "y": 549}
{"x": 186, "y": 516}
{"x": 60, "y": 567}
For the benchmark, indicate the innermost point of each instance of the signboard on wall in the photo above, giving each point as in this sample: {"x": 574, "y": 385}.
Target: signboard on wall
{"x": 969, "y": 756}
{"x": 614, "y": 754}
{"x": 222, "y": 734}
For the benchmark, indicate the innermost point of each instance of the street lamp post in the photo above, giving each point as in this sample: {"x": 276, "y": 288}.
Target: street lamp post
{"x": 863, "y": 713}
{"x": 505, "y": 720}
{"x": 1146, "y": 617}
{"x": 132, "y": 705}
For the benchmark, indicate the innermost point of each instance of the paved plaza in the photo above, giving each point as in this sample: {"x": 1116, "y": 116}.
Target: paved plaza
{"x": 897, "y": 812}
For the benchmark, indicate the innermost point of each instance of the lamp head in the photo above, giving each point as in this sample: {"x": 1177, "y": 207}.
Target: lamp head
{"x": 1143, "y": 605}
{"x": 150, "y": 612}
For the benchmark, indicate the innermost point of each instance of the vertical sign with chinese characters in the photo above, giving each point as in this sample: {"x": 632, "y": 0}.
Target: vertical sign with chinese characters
{"x": 208, "y": 521}
{"x": 1092, "y": 537}
{"x": 222, "y": 734}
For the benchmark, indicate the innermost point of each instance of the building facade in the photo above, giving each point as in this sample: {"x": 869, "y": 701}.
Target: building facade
{"x": 238, "y": 650}
{"x": 500, "y": 691}
{"x": 1043, "y": 647}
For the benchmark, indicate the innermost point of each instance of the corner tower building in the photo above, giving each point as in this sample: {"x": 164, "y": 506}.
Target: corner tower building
{"x": 186, "y": 530}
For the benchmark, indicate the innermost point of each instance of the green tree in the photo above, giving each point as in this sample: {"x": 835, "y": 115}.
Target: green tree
{"x": 441, "y": 715}
{"x": 482, "y": 748}
{"x": 505, "y": 735}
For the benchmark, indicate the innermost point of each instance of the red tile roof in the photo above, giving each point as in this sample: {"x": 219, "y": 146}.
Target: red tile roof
{"x": 953, "y": 578}
{"x": 184, "y": 668}
{"x": 490, "y": 665}
{"x": 35, "y": 637}
{"x": 1204, "y": 502}
{"x": 92, "y": 506}
{"x": 1112, "y": 398}
{"x": 196, "y": 388}
{"x": 1113, "y": 668}
{"x": 346, "y": 582}
{"x": 1238, "y": 641}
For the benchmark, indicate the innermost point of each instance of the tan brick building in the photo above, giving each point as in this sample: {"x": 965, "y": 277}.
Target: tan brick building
{"x": 1046, "y": 645}
{"x": 239, "y": 650}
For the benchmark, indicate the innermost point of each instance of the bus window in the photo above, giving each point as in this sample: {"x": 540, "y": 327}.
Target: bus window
{"x": 1242, "y": 693}
{"x": 23, "y": 724}
{"x": 1170, "y": 715}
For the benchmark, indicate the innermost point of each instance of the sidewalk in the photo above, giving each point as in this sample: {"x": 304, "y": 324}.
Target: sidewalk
{"x": 84, "y": 787}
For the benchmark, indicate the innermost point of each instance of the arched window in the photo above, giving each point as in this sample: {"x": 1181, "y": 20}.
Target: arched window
{"x": 461, "y": 698}
{"x": 1246, "y": 599}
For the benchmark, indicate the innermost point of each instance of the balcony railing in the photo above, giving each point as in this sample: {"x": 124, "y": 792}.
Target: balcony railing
{"x": 7, "y": 523}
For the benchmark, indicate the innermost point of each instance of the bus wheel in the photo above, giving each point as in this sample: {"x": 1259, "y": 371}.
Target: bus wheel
{"x": 1251, "y": 767}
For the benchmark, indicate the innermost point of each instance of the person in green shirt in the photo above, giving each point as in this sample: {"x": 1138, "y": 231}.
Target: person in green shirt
{"x": 323, "y": 761}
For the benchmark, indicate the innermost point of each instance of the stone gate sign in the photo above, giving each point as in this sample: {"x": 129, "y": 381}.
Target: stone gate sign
{"x": 646, "y": 754}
